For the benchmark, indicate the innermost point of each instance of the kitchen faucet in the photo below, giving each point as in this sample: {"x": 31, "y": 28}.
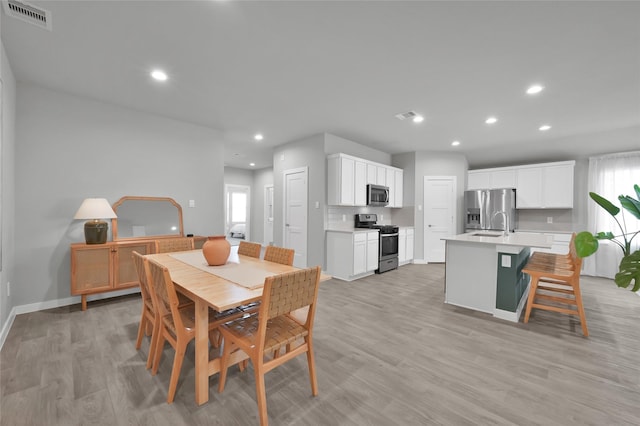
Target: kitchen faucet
{"x": 505, "y": 220}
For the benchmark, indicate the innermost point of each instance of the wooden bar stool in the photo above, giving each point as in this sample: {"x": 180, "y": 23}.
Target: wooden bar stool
{"x": 556, "y": 282}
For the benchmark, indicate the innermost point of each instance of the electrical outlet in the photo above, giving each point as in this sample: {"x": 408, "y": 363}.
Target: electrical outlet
{"x": 192, "y": 203}
{"x": 381, "y": 217}
{"x": 549, "y": 219}
{"x": 344, "y": 217}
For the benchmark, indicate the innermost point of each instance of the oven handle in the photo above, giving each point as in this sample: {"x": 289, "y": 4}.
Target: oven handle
{"x": 389, "y": 235}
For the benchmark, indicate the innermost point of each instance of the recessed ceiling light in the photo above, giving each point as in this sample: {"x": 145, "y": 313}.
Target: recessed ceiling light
{"x": 491, "y": 120}
{"x": 544, "y": 127}
{"x": 455, "y": 143}
{"x": 536, "y": 88}
{"x": 159, "y": 75}
{"x": 258, "y": 137}
{"x": 252, "y": 164}
{"x": 418, "y": 119}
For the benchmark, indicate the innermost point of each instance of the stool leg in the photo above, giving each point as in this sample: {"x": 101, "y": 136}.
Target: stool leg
{"x": 532, "y": 295}
{"x": 578, "y": 295}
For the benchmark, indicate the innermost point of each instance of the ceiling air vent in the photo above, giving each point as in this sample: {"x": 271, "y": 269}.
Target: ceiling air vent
{"x": 28, "y": 13}
{"x": 406, "y": 115}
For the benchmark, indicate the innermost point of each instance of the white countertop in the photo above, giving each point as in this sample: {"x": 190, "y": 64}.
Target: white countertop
{"x": 498, "y": 238}
{"x": 352, "y": 230}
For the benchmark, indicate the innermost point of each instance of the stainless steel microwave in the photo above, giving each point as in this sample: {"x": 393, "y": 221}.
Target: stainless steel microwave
{"x": 377, "y": 195}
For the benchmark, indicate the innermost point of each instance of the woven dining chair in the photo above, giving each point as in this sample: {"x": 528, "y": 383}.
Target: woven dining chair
{"x": 168, "y": 245}
{"x": 247, "y": 248}
{"x": 149, "y": 321}
{"x": 279, "y": 255}
{"x": 273, "y": 328}
{"x": 177, "y": 323}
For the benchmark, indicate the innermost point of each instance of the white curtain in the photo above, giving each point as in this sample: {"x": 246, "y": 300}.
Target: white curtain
{"x": 610, "y": 176}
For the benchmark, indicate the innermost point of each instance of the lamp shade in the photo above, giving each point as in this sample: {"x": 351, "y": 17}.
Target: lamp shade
{"x": 95, "y": 208}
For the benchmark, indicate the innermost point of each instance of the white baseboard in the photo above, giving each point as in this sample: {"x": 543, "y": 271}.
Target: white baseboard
{"x": 7, "y": 326}
{"x": 57, "y": 303}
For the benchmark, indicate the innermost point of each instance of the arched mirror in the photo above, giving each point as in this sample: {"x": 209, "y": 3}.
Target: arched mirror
{"x": 143, "y": 217}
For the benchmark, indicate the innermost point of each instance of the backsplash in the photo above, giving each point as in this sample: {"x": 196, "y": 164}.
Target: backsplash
{"x": 343, "y": 217}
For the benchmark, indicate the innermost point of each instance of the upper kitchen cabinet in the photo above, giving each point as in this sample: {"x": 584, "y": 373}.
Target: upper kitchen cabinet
{"x": 538, "y": 186}
{"x": 347, "y": 179}
{"x": 545, "y": 186}
{"x": 491, "y": 178}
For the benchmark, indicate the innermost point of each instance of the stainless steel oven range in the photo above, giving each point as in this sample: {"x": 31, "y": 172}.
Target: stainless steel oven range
{"x": 388, "y": 244}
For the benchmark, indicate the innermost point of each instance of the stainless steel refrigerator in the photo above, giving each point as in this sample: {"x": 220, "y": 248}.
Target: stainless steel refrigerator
{"x": 490, "y": 209}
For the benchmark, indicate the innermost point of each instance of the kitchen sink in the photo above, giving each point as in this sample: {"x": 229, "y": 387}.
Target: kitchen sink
{"x": 485, "y": 234}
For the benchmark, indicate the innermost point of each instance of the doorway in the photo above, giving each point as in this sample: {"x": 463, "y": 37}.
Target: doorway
{"x": 439, "y": 215}
{"x": 237, "y": 212}
{"x": 295, "y": 214}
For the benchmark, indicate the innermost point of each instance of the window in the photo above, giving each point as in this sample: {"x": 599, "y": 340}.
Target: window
{"x": 610, "y": 176}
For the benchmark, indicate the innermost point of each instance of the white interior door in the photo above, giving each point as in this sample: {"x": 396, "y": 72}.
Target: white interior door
{"x": 439, "y": 215}
{"x": 295, "y": 214}
{"x": 268, "y": 215}
{"x": 237, "y": 211}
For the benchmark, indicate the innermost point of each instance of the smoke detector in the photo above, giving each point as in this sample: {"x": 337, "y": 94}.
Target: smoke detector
{"x": 407, "y": 115}
{"x": 28, "y": 13}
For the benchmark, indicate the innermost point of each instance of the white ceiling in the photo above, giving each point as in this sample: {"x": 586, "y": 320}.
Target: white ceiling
{"x": 295, "y": 69}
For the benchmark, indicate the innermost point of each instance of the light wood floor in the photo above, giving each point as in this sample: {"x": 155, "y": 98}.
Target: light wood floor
{"x": 388, "y": 352}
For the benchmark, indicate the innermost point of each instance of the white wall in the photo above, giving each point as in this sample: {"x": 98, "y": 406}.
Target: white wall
{"x": 335, "y": 144}
{"x": 69, "y": 148}
{"x": 309, "y": 153}
{"x": 7, "y": 182}
{"x": 436, "y": 164}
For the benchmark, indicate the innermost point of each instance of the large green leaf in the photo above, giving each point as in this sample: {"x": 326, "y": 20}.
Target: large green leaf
{"x": 605, "y": 204}
{"x": 604, "y": 235}
{"x": 586, "y": 244}
{"x": 629, "y": 271}
{"x": 637, "y": 189}
{"x": 630, "y": 204}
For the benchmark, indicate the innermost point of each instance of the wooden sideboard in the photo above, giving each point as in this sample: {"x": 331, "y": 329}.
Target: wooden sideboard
{"x": 100, "y": 268}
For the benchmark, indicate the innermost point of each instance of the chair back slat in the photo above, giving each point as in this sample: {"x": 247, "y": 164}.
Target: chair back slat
{"x": 167, "y": 245}
{"x": 279, "y": 255}
{"x": 247, "y": 248}
{"x": 143, "y": 275}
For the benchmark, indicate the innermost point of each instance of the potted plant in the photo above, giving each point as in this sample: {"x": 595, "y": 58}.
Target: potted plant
{"x": 587, "y": 243}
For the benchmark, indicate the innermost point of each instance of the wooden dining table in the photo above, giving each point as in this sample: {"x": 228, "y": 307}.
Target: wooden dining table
{"x": 201, "y": 284}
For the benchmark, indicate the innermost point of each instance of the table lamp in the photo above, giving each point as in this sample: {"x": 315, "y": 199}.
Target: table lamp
{"x": 95, "y": 230}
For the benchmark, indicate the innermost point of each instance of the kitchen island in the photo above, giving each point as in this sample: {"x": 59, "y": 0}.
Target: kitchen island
{"x": 484, "y": 271}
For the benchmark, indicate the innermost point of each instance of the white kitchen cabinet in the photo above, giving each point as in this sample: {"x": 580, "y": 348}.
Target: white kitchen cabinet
{"x": 538, "y": 186}
{"x": 352, "y": 255}
{"x": 405, "y": 245}
{"x": 346, "y": 181}
{"x": 381, "y": 175}
{"x": 545, "y": 186}
{"x": 477, "y": 179}
{"x": 529, "y": 188}
{"x": 348, "y": 177}
{"x": 372, "y": 173}
{"x": 560, "y": 244}
{"x": 373, "y": 248}
{"x": 557, "y": 184}
{"x": 360, "y": 181}
{"x": 503, "y": 178}
{"x": 398, "y": 196}
{"x": 491, "y": 178}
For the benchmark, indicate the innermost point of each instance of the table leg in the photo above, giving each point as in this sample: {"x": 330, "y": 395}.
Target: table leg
{"x": 202, "y": 352}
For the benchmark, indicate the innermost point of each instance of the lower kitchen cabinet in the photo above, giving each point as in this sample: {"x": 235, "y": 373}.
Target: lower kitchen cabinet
{"x": 352, "y": 254}
{"x": 405, "y": 245}
{"x": 100, "y": 268}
